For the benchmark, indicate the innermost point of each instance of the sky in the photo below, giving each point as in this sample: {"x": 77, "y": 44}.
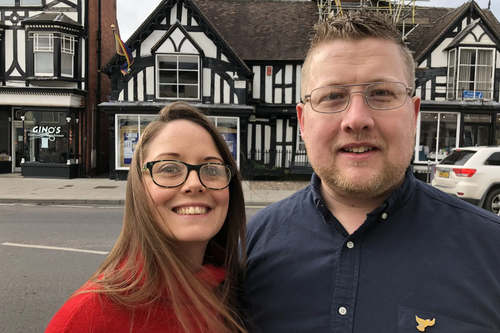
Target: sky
{"x": 131, "y": 13}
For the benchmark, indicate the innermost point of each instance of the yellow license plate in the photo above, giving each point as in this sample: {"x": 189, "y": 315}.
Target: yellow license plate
{"x": 444, "y": 174}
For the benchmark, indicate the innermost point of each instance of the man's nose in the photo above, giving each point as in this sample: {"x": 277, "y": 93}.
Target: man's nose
{"x": 358, "y": 116}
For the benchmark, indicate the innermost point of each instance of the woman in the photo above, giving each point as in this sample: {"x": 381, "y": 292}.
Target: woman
{"x": 180, "y": 238}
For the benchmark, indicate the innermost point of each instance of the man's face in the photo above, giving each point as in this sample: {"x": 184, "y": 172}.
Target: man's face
{"x": 386, "y": 137}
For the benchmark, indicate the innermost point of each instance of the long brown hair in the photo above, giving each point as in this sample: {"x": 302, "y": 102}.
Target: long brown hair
{"x": 144, "y": 265}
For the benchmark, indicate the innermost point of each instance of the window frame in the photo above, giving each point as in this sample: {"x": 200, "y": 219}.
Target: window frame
{"x": 49, "y": 49}
{"x": 488, "y": 93}
{"x": 158, "y": 70}
{"x": 70, "y": 51}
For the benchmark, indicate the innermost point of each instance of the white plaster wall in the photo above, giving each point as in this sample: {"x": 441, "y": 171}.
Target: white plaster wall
{"x": 249, "y": 137}
{"x": 268, "y": 86}
{"x": 439, "y": 56}
{"x": 217, "y": 81}
{"x": 150, "y": 80}
{"x": 278, "y": 77}
{"x": 423, "y": 64}
{"x": 256, "y": 82}
{"x": 288, "y": 95}
{"x": 267, "y": 134}
{"x": 278, "y": 95}
{"x": 140, "y": 86}
{"x": 279, "y": 130}
{"x": 227, "y": 94}
{"x": 289, "y": 133}
{"x": 207, "y": 83}
{"x": 130, "y": 90}
{"x": 205, "y": 44}
{"x": 149, "y": 42}
{"x": 9, "y": 51}
{"x": 298, "y": 75}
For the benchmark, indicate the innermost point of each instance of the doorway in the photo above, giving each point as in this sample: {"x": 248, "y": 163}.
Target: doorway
{"x": 476, "y": 135}
{"x": 17, "y": 145}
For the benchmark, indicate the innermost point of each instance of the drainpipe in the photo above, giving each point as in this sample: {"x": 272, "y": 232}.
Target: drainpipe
{"x": 98, "y": 91}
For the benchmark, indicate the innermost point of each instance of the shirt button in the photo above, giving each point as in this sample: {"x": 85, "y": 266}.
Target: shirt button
{"x": 384, "y": 216}
{"x": 342, "y": 311}
{"x": 350, "y": 244}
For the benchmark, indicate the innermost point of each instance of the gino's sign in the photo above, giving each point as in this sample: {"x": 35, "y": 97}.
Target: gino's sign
{"x": 50, "y": 132}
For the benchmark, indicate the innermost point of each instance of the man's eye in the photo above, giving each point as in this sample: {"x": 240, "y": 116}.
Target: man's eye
{"x": 382, "y": 93}
{"x": 334, "y": 96}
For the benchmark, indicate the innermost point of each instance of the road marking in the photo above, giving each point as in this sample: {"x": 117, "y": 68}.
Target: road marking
{"x": 7, "y": 204}
{"x": 111, "y": 207}
{"x": 29, "y": 205}
{"x": 257, "y": 207}
{"x": 55, "y": 248}
{"x": 71, "y": 206}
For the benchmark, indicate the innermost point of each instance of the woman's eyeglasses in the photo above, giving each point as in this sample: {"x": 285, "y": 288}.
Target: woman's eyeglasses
{"x": 172, "y": 173}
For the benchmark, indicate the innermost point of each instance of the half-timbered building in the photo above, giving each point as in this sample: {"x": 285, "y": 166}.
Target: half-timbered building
{"x": 240, "y": 62}
{"x": 50, "y": 86}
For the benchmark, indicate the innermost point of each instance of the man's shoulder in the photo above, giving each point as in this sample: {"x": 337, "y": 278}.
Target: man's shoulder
{"x": 283, "y": 209}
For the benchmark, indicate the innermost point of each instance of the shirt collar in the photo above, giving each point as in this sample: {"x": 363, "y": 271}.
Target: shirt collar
{"x": 397, "y": 199}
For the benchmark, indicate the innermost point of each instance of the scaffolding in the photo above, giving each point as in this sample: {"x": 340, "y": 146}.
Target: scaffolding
{"x": 400, "y": 10}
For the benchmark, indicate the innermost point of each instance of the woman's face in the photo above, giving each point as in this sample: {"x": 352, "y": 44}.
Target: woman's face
{"x": 189, "y": 214}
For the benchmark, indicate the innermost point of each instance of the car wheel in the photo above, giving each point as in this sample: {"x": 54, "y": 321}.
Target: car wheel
{"x": 493, "y": 201}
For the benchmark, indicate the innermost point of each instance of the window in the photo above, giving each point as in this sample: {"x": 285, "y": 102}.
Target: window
{"x": 301, "y": 145}
{"x": 44, "y": 54}
{"x": 475, "y": 73}
{"x": 7, "y": 2}
{"x": 31, "y": 2}
{"x": 67, "y": 55}
{"x": 178, "y": 76}
{"x": 450, "y": 93}
{"x": 437, "y": 136}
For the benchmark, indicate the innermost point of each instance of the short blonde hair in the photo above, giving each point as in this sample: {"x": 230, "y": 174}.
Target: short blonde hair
{"x": 357, "y": 25}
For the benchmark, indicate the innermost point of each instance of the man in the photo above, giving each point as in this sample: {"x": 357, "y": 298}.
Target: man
{"x": 367, "y": 247}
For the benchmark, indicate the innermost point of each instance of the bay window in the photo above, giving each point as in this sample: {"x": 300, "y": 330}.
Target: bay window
{"x": 470, "y": 74}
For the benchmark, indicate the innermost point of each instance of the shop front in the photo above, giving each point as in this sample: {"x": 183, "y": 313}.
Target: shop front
{"x": 45, "y": 143}
{"x": 442, "y": 126}
{"x": 126, "y": 129}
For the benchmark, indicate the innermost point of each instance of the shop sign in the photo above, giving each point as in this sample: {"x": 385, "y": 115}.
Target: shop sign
{"x": 49, "y": 132}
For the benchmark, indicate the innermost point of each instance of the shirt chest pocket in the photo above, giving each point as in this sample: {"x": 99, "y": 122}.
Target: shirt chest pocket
{"x": 413, "y": 320}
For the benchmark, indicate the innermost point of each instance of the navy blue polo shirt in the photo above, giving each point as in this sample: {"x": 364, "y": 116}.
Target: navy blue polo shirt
{"x": 422, "y": 255}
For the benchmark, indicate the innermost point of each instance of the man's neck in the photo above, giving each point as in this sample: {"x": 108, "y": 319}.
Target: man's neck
{"x": 350, "y": 212}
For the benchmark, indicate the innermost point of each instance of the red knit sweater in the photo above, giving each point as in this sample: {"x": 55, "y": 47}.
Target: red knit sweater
{"x": 96, "y": 313}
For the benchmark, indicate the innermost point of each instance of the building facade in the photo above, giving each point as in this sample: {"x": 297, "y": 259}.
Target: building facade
{"x": 242, "y": 60}
{"x": 51, "y": 86}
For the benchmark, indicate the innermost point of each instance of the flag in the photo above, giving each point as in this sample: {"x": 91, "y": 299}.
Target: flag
{"x": 123, "y": 50}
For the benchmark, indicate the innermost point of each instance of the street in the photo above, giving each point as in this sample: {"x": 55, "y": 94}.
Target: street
{"x": 46, "y": 253}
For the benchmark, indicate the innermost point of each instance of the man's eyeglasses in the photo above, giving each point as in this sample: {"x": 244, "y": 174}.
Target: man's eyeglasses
{"x": 377, "y": 95}
{"x": 172, "y": 173}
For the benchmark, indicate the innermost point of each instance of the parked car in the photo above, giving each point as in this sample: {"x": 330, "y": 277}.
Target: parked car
{"x": 471, "y": 174}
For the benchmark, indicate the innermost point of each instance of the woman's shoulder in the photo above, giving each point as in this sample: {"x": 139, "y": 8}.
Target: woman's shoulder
{"x": 83, "y": 312}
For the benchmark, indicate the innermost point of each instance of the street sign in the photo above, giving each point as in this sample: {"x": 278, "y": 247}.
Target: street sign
{"x": 473, "y": 94}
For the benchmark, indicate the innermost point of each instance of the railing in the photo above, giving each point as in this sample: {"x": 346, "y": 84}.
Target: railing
{"x": 276, "y": 164}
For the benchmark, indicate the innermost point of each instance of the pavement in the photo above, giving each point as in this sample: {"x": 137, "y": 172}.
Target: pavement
{"x": 89, "y": 191}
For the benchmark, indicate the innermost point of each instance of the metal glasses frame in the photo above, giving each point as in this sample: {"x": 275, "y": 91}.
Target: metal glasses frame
{"x": 409, "y": 91}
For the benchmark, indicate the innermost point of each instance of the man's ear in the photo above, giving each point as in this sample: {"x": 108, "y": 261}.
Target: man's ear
{"x": 416, "y": 107}
{"x": 300, "y": 116}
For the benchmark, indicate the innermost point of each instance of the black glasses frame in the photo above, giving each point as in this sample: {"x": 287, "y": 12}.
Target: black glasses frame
{"x": 149, "y": 165}
{"x": 409, "y": 91}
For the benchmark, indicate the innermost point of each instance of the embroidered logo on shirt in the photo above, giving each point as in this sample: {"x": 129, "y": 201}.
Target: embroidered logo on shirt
{"x": 424, "y": 323}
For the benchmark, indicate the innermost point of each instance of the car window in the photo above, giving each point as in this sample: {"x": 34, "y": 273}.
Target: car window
{"x": 494, "y": 159}
{"x": 458, "y": 157}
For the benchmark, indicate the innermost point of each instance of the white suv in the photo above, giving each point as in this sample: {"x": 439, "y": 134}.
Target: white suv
{"x": 471, "y": 174}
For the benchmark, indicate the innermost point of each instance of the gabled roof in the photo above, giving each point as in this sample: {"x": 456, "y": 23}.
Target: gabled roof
{"x": 51, "y": 18}
{"x": 152, "y": 21}
{"x": 440, "y": 21}
{"x": 263, "y": 30}
{"x": 456, "y": 41}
